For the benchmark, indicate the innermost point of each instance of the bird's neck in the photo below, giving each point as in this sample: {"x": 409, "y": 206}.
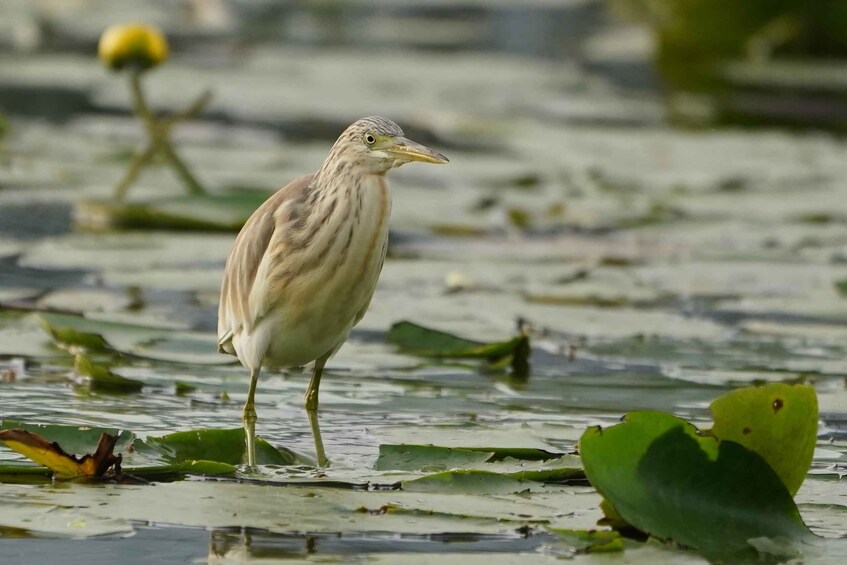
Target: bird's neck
{"x": 340, "y": 183}
{"x": 338, "y": 200}
{"x": 343, "y": 162}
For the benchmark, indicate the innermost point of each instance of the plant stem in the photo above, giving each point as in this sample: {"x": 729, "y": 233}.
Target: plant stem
{"x": 191, "y": 183}
{"x": 139, "y": 104}
{"x": 158, "y": 130}
{"x": 192, "y": 111}
{"x": 141, "y": 158}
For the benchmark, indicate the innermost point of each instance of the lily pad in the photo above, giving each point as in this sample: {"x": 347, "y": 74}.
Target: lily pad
{"x": 91, "y": 335}
{"x": 203, "y": 452}
{"x": 157, "y": 343}
{"x": 667, "y": 479}
{"x": 778, "y": 421}
{"x": 221, "y": 446}
{"x": 427, "y": 458}
{"x": 202, "y": 212}
{"x": 442, "y": 461}
{"x": 494, "y": 480}
{"x": 101, "y": 378}
{"x": 468, "y": 481}
{"x": 69, "y": 335}
{"x": 590, "y": 541}
{"x": 424, "y": 457}
{"x": 426, "y": 342}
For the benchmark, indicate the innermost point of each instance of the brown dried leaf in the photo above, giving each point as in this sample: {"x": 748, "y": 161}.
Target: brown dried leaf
{"x": 64, "y": 465}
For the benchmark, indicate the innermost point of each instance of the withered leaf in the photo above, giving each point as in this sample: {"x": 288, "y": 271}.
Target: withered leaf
{"x": 64, "y": 465}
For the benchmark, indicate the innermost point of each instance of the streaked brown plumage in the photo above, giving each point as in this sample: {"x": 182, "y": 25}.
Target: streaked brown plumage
{"x": 304, "y": 267}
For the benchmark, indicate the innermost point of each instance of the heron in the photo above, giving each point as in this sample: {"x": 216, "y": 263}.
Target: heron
{"x": 303, "y": 269}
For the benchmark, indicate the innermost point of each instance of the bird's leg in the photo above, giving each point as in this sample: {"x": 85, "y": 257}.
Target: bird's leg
{"x": 316, "y": 434}
{"x": 312, "y": 409}
{"x": 311, "y": 399}
{"x": 249, "y": 418}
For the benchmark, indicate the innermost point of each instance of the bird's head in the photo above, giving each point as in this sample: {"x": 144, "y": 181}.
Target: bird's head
{"x": 378, "y": 144}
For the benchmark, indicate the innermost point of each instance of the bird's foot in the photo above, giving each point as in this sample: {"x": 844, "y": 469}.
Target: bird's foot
{"x": 250, "y": 471}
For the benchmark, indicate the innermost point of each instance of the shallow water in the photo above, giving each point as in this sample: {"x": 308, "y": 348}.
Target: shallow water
{"x": 657, "y": 268}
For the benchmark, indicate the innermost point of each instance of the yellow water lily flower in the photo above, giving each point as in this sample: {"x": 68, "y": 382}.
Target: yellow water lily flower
{"x": 132, "y": 44}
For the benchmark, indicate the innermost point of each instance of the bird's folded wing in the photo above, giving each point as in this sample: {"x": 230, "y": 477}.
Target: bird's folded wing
{"x": 241, "y": 307}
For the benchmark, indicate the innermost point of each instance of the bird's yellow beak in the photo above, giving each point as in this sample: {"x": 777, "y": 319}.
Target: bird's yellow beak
{"x": 408, "y": 150}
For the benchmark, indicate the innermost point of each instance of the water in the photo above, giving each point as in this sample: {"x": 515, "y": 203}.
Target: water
{"x": 657, "y": 268}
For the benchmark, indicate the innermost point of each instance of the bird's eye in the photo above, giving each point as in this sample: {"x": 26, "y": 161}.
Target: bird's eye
{"x": 369, "y": 139}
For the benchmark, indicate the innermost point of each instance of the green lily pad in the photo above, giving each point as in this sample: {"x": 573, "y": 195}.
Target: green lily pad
{"x": 222, "y": 446}
{"x": 202, "y": 452}
{"x": 203, "y": 212}
{"x": 72, "y": 335}
{"x": 468, "y": 481}
{"x": 155, "y": 343}
{"x": 590, "y": 541}
{"x": 566, "y": 469}
{"x": 177, "y": 470}
{"x": 667, "y": 479}
{"x": 408, "y": 457}
{"x": 486, "y": 481}
{"x": 183, "y": 347}
{"x": 18, "y": 473}
{"x": 100, "y": 378}
{"x": 427, "y": 458}
{"x": 778, "y": 421}
{"x": 426, "y": 342}
{"x": 93, "y": 335}
{"x": 552, "y": 468}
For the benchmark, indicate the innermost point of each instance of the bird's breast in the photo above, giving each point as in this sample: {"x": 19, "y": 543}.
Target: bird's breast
{"x": 321, "y": 305}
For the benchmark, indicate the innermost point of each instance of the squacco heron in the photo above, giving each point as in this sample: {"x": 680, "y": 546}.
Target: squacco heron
{"x": 303, "y": 269}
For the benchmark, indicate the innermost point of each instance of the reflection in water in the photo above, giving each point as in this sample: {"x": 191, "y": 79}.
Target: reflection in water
{"x": 234, "y": 544}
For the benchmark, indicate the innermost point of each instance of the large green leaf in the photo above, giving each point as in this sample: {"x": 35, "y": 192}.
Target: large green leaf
{"x": 222, "y": 446}
{"x": 778, "y": 421}
{"x": 419, "y": 340}
{"x": 668, "y": 480}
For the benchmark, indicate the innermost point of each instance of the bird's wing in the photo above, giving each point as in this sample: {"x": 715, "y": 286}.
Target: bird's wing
{"x": 237, "y": 307}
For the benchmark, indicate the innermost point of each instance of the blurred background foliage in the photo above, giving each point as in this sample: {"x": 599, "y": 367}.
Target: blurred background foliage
{"x": 753, "y": 62}
{"x": 787, "y": 47}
